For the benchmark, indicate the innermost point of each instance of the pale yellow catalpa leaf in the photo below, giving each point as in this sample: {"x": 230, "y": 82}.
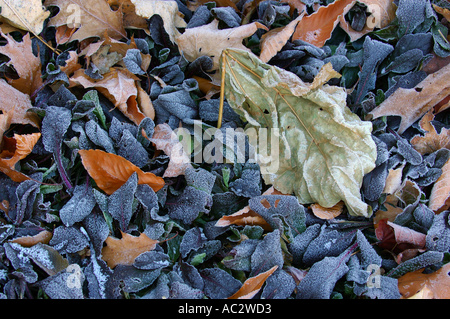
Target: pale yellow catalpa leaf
{"x": 324, "y": 150}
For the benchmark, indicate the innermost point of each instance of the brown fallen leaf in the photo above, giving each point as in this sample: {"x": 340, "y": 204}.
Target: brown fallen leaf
{"x": 318, "y": 26}
{"x": 393, "y": 180}
{"x": 274, "y": 40}
{"x": 327, "y": 213}
{"x": 167, "y": 141}
{"x": 119, "y": 86}
{"x": 25, "y": 14}
{"x": 130, "y": 19}
{"x": 193, "y": 5}
{"x": 125, "y": 250}
{"x": 5, "y": 122}
{"x": 167, "y": 10}
{"x": 72, "y": 64}
{"x": 405, "y": 235}
{"x": 111, "y": 171}
{"x": 445, "y": 12}
{"x": 412, "y": 104}
{"x": 92, "y": 18}
{"x": 438, "y": 282}
{"x": 440, "y": 193}
{"x": 252, "y": 285}
{"x": 431, "y": 141}
{"x": 27, "y": 65}
{"x": 28, "y": 241}
{"x": 210, "y": 41}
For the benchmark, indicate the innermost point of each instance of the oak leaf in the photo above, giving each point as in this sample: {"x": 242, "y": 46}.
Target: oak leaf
{"x": 119, "y": 86}
{"x": 111, "y": 171}
{"x": 317, "y": 27}
{"x": 167, "y": 10}
{"x": 125, "y": 250}
{"x": 324, "y": 149}
{"x": 440, "y": 193}
{"x": 252, "y": 285}
{"x": 27, "y": 65}
{"x": 209, "y": 40}
{"x": 412, "y": 104}
{"x": 431, "y": 141}
{"x": 437, "y": 282}
{"x": 25, "y": 14}
{"x": 92, "y": 18}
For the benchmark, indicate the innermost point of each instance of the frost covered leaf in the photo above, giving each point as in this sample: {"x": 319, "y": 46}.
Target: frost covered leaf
{"x": 437, "y": 282}
{"x": 97, "y": 18}
{"x": 25, "y": 15}
{"x": 440, "y": 193}
{"x": 125, "y": 250}
{"x": 252, "y": 285}
{"x": 210, "y": 41}
{"x": 317, "y": 27}
{"x": 412, "y": 104}
{"x": 120, "y": 203}
{"x": 111, "y": 171}
{"x": 166, "y": 140}
{"x": 54, "y": 126}
{"x": 219, "y": 284}
{"x": 79, "y": 206}
{"x": 312, "y": 161}
{"x": 167, "y": 10}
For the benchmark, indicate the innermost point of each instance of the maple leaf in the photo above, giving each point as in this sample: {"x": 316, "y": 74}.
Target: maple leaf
{"x": 92, "y": 18}
{"x": 125, "y": 250}
{"x": 27, "y": 65}
{"x": 210, "y": 41}
{"x": 25, "y": 14}
{"x": 431, "y": 141}
{"x": 167, "y": 10}
{"x": 253, "y": 285}
{"x": 324, "y": 149}
{"x": 111, "y": 171}
{"x": 437, "y": 282}
{"x": 412, "y": 104}
{"x": 118, "y": 85}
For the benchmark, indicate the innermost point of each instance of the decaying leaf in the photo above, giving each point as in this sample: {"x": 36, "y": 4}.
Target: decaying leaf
{"x": 166, "y": 140}
{"x": 130, "y": 18}
{"x": 252, "y": 285}
{"x": 412, "y": 104}
{"x": 440, "y": 193}
{"x": 125, "y": 250}
{"x": 438, "y": 282}
{"x": 27, "y": 65}
{"x": 318, "y": 26}
{"x": 431, "y": 141}
{"x": 111, "y": 171}
{"x": 25, "y": 14}
{"x": 167, "y": 10}
{"x": 92, "y": 18}
{"x": 118, "y": 86}
{"x": 324, "y": 149}
{"x": 210, "y": 41}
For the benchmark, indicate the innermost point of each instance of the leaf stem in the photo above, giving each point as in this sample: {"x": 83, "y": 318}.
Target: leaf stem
{"x": 222, "y": 93}
{"x": 62, "y": 171}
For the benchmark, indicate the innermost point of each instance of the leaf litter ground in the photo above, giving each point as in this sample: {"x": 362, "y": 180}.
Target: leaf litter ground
{"x": 97, "y": 201}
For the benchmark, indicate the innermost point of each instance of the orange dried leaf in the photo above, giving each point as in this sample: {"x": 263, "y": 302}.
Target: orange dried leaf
{"x": 125, "y": 250}
{"x": 111, "y": 171}
{"x": 252, "y": 285}
{"x": 327, "y": 213}
{"x": 438, "y": 282}
{"x": 440, "y": 193}
{"x": 317, "y": 27}
{"x": 28, "y": 241}
{"x": 431, "y": 141}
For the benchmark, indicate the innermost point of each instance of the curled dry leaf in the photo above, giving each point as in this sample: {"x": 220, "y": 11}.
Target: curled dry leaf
{"x": 327, "y": 213}
{"x": 318, "y": 26}
{"x": 412, "y": 104}
{"x": 125, "y": 250}
{"x": 437, "y": 282}
{"x": 118, "y": 86}
{"x": 440, "y": 193}
{"x": 166, "y": 140}
{"x": 210, "y": 41}
{"x": 431, "y": 141}
{"x": 252, "y": 285}
{"x": 25, "y": 14}
{"x": 28, "y": 241}
{"x": 111, "y": 171}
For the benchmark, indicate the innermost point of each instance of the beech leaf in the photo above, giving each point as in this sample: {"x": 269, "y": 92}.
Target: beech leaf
{"x": 111, "y": 171}
{"x": 324, "y": 149}
{"x": 252, "y": 285}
